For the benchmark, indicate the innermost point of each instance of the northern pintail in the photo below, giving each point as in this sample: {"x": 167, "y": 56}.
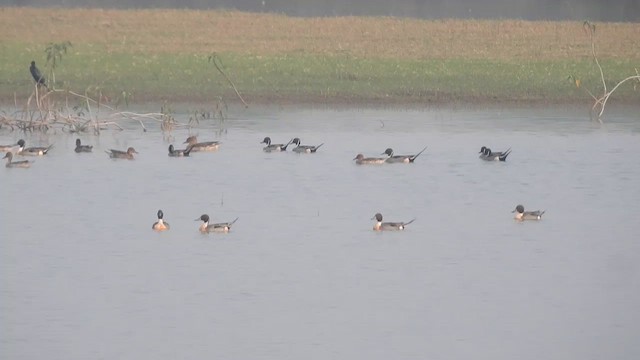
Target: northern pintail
{"x": 119, "y": 154}
{"x": 8, "y": 148}
{"x": 522, "y": 215}
{"x": 380, "y": 226}
{"x": 16, "y": 164}
{"x": 401, "y": 158}
{"x": 32, "y": 151}
{"x": 205, "y": 227}
{"x": 488, "y": 155}
{"x": 274, "y": 147}
{"x": 201, "y": 146}
{"x": 160, "y": 225}
{"x": 304, "y": 148}
{"x": 361, "y": 160}
{"x": 180, "y": 152}
{"x": 82, "y": 148}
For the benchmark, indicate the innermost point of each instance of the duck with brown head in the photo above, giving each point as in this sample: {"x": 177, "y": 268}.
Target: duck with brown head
{"x": 119, "y": 154}
{"x": 522, "y": 215}
{"x": 160, "y": 225}
{"x": 205, "y": 227}
{"x": 385, "y": 226}
{"x": 16, "y": 164}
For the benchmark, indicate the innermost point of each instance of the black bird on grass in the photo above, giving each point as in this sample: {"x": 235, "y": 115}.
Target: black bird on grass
{"x": 37, "y": 75}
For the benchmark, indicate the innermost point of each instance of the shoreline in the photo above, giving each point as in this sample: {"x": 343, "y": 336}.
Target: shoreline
{"x": 155, "y": 56}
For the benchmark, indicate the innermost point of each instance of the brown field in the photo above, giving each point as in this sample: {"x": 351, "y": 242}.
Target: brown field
{"x": 188, "y": 31}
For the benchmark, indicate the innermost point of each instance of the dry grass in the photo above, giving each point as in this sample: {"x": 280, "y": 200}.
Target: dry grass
{"x": 187, "y": 31}
{"x": 161, "y": 54}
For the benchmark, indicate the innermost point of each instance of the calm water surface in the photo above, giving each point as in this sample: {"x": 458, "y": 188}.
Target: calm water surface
{"x": 302, "y": 276}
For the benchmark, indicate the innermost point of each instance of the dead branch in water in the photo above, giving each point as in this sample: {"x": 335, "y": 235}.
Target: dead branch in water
{"x": 600, "y": 101}
{"x": 213, "y": 58}
{"x": 41, "y": 113}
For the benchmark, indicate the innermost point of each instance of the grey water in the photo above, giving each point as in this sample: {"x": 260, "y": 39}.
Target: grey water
{"x": 302, "y": 275}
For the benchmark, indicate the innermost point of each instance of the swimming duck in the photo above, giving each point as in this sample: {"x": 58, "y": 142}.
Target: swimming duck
{"x": 177, "y": 153}
{"x": 160, "y": 225}
{"x": 16, "y": 164}
{"x": 401, "y": 158}
{"x": 201, "y": 146}
{"x": 361, "y": 160}
{"x": 380, "y": 226}
{"x": 522, "y": 215}
{"x": 274, "y": 147}
{"x": 205, "y": 227}
{"x": 488, "y": 155}
{"x": 32, "y": 151}
{"x": 82, "y": 148}
{"x": 118, "y": 154}
{"x": 7, "y": 148}
{"x": 304, "y": 148}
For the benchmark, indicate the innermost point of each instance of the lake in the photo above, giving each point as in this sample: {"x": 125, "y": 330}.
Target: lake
{"x": 302, "y": 275}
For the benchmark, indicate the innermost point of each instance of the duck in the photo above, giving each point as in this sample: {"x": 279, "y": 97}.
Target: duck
{"x": 160, "y": 225}
{"x": 522, "y": 215}
{"x": 395, "y": 159}
{"x": 16, "y": 164}
{"x": 32, "y": 151}
{"x": 7, "y": 148}
{"x": 82, "y": 148}
{"x": 361, "y": 160}
{"x": 201, "y": 146}
{"x": 304, "y": 148}
{"x": 205, "y": 227}
{"x": 181, "y": 152}
{"x": 384, "y": 226}
{"x": 274, "y": 147}
{"x": 119, "y": 154}
{"x": 488, "y": 155}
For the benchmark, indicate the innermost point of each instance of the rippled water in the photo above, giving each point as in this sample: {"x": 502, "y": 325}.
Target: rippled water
{"x": 302, "y": 276}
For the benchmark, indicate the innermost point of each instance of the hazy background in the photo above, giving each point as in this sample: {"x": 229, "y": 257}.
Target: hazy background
{"x": 595, "y": 10}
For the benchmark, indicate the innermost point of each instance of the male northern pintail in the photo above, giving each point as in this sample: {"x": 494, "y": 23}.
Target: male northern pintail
{"x": 401, "y": 158}
{"x": 361, "y": 160}
{"x": 205, "y": 227}
{"x": 82, "y": 148}
{"x": 380, "y": 226}
{"x": 274, "y": 147}
{"x": 32, "y": 151}
{"x": 488, "y": 155}
{"x": 201, "y": 146}
{"x": 179, "y": 152}
{"x": 16, "y": 164}
{"x": 160, "y": 225}
{"x": 304, "y": 148}
{"x": 527, "y": 215}
{"x": 7, "y": 148}
{"x": 118, "y": 154}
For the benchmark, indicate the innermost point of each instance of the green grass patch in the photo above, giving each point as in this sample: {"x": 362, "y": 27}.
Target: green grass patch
{"x": 313, "y": 77}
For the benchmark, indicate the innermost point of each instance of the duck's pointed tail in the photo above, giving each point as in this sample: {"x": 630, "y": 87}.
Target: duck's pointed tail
{"x": 504, "y": 155}
{"x": 411, "y": 159}
{"x": 409, "y": 222}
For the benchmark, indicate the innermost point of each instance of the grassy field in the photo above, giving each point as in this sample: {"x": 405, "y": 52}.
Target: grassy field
{"x": 163, "y": 55}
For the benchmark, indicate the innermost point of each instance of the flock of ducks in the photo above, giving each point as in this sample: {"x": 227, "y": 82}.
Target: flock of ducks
{"x": 194, "y": 146}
